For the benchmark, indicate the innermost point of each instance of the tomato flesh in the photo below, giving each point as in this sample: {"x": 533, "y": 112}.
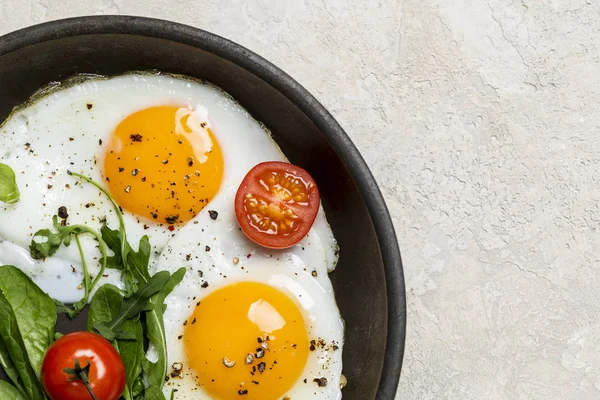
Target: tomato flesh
{"x": 106, "y": 373}
{"x": 276, "y": 204}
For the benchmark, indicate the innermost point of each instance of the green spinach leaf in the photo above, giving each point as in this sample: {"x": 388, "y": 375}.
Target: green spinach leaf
{"x": 154, "y": 393}
{"x": 9, "y": 392}
{"x": 138, "y": 386}
{"x": 155, "y": 330}
{"x": 138, "y": 261}
{"x": 133, "y": 306}
{"x": 135, "y": 266}
{"x": 13, "y": 340}
{"x": 132, "y": 353}
{"x": 104, "y": 307}
{"x": 9, "y": 368}
{"x": 34, "y": 311}
{"x": 112, "y": 240}
{"x": 9, "y": 191}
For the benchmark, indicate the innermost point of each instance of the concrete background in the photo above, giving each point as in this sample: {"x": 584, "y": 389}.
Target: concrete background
{"x": 480, "y": 121}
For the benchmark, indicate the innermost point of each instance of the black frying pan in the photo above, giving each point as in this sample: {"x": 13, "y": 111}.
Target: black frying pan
{"x": 368, "y": 282}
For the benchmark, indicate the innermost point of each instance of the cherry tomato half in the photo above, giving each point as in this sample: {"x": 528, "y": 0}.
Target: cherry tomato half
{"x": 276, "y": 204}
{"x": 106, "y": 370}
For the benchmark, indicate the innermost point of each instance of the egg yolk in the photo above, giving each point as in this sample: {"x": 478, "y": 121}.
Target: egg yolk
{"x": 163, "y": 163}
{"x": 246, "y": 339}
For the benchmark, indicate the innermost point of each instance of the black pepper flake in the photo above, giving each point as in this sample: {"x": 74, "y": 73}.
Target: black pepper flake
{"x": 89, "y": 106}
{"x": 49, "y": 186}
{"x": 121, "y": 169}
{"x": 179, "y": 337}
{"x": 188, "y": 257}
{"x": 165, "y": 162}
{"x": 71, "y": 139}
{"x": 312, "y": 345}
{"x": 171, "y": 219}
{"x": 207, "y": 248}
{"x": 154, "y": 215}
{"x": 190, "y": 161}
{"x": 321, "y": 382}
{"x": 135, "y": 137}
{"x": 62, "y": 212}
{"x": 242, "y": 392}
{"x": 261, "y": 367}
{"x": 213, "y": 214}
{"x": 185, "y": 322}
{"x": 100, "y": 142}
{"x": 135, "y": 172}
{"x": 204, "y": 285}
{"x": 194, "y": 320}
{"x": 314, "y": 273}
{"x": 144, "y": 179}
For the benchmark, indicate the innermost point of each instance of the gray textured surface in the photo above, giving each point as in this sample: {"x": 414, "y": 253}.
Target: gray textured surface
{"x": 480, "y": 121}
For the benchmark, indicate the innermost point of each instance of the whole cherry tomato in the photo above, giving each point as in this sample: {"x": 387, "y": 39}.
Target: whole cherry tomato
{"x": 82, "y": 363}
{"x": 276, "y": 204}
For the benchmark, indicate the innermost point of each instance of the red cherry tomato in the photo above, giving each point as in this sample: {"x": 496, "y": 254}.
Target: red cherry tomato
{"x": 276, "y": 204}
{"x": 106, "y": 372}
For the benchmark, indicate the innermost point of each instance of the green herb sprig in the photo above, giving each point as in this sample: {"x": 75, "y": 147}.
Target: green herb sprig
{"x": 41, "y": 249}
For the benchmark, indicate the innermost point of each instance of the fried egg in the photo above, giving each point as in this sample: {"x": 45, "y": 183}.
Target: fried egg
{"x": 145, "y": 138}
{"x": 246, "y": 320}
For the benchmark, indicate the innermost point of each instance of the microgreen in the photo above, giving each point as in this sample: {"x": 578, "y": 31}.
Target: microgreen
{"x": 40, "y": 249}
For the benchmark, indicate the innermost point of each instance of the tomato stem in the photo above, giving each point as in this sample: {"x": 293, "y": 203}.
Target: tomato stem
{"x": 81, "y": 374}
